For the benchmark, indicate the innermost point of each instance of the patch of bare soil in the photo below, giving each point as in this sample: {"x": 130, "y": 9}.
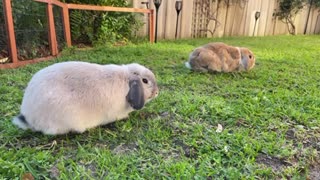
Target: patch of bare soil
{"x": 314, "y": 173}
{"x": 54, "y": 172}
{"x": 188, "y": 151}
{"x": 275, "y": 163}
{"x": 310, "y": 139}
{"x": 125, "y": 148}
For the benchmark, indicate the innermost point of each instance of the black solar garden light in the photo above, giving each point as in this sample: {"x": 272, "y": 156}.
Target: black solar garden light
{"x": 178, "y": 9}
{"x": 157, "y": 4}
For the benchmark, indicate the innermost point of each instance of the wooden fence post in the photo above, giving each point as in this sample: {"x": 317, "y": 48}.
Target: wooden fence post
{"x": 151, "y": 26}
{"x": 10, "y": 31}
{"x": 66, "y": 24}
{"x": 52, "y": 30}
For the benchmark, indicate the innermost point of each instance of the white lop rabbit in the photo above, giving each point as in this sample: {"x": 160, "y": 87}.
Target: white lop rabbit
{"x": 75, "y": 96}
{"x": 220, "y": 57}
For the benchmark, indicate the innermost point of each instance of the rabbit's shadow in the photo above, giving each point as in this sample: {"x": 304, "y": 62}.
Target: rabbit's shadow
{"x": 36, "y": 139}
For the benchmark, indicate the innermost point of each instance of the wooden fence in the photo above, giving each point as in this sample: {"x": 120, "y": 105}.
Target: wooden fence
{"x": 15, "y": 62}
{"x": 237, "y": 18}
{"x": 198, "y": 18}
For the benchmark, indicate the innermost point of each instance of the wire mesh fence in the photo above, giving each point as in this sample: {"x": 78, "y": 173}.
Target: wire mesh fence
{"x": 31, "y": 29}
{"x": 58, "y": 23}
{"x": 4, "y": 53}
{"x": 30, "y": 26}
{"x": 35, "y": 30}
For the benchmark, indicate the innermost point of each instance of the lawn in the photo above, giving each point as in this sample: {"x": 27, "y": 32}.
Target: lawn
{"x": 270, "y": 118}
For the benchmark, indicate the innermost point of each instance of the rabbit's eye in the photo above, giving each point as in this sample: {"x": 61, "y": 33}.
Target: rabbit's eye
{"x": 144, "y": 80}
{"x": 250, "y": 56}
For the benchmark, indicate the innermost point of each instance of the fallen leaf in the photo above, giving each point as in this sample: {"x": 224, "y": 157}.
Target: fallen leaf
{"x": 226, "y": 149}
{"x": 219, "y": 128}
{"x": 27, "y": 176}
{"x": 4, "y": 60}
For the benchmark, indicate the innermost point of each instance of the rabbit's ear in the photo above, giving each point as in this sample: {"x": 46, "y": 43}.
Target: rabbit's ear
{"x": 135, "y": 96}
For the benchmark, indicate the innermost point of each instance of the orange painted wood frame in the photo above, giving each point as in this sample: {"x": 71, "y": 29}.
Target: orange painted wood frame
{"x": 106, "y": 8}
{"x": 151, "y": 26}
{"x": 10, "y": 31}
{"x": 66, "y": 23}
{"x": 65, "y": 15}
{"x": 25, "y": 62}
{"x": 52, "y": 30}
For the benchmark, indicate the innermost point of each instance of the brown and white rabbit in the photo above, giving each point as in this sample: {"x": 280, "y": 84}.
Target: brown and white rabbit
{"x": 75, "y": 96}
{"x": 219, "y": 57}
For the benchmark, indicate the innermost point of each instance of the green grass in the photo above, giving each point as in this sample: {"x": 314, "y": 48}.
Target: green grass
{"x": 270, "y": 118}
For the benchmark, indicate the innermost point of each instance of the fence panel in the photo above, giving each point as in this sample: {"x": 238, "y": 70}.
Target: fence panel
{"x": 4, "y": 46}
{"x": 229, "y": 18}
{"x": 30, "y": 26}
{"x": 186, "y": 19}
{"x": 239, "y": 19}
{"x": 170, "y": 24}
{"x": 313, "y": 21}
{"x": 58, "y": 24}
{"x": 317, "y": 28}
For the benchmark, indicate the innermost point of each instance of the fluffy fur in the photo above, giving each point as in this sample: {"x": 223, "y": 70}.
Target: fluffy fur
{"x": 219, "y": 57}
{"x": 76, "y": 96}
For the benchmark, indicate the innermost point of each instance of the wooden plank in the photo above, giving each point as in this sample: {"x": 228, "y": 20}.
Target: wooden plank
{"x": 253, "y": 7}
{"x": 202, "y": 15}
{"x": 222, "y": 13}
{"x": 170, "y": 20}
{"x": 239, "y": 19}
{"x": 280, "y": 28}
{"x": 194, "y": 19}
{"x": 248, "y": 18}
{"x": 270, "y": 21}
{"x": 10, "y": 30}
{"x": 317, "y": 26}
{"x": 55, "y": 2}
{"x": 300, "y": 20}
{"x": 162, "y": 19}
{"x": 106, "y": 8}
{"x": 264, "y": 10}
{"x": 151, "y": 25}
{"x": 229, "y": 21}
{"x": 25, "y": 62}
{"x": 186, "y": 19}
{"x": 52, "y": 30}
{"x": 211, "y": 24}
{"x": 313, "y": 20}
{"x": 66, "y": 24}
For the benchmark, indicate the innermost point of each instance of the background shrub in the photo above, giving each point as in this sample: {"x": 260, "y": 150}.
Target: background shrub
{"x": 90, "y": 27}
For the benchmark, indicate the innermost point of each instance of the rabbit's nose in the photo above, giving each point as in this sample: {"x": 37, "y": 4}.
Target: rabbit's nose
{"x": 156, "y": 92}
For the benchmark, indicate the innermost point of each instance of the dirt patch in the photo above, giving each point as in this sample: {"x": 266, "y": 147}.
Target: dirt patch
{"x": 54, "y": 172}
{"x": 314, "y": 173}
{"x": 307, "y": 140}
{"x": 125, "y": 148}
{"x": 188, "y": 151}
{"x": 290, "y": 134}
{"x": 275, "y": 163}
